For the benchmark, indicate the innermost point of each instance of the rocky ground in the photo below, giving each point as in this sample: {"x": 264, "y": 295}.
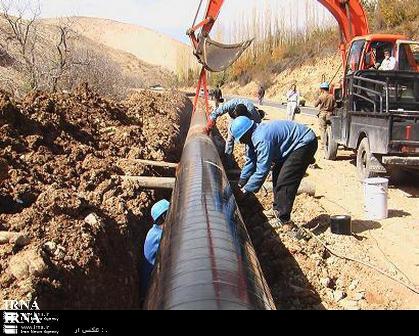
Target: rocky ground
{"x": 70, "y": 229}
{"x": 308, "y": 269}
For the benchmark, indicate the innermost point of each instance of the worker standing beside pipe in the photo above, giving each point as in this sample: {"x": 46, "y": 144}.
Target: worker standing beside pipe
{"x": 235, "y": 108}
{"x": 289, "y": 146}
{"x": 326, "y": 104}
{"x": 261, "y": 94}
{"x": 293, "y": 100}
{"x": 152, "y": 240}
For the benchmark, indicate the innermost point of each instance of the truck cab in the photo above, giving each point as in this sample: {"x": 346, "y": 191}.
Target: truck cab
{"x": 367, "y": 52}
{"x": 378, "y": 110}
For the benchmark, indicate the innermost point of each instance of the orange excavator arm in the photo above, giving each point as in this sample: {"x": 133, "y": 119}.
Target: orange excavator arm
{"x": 213, "y": 10}
{"x": 349, "y": 14}
{"x": 351, "y": 18}
{"x": 211, "y": 14}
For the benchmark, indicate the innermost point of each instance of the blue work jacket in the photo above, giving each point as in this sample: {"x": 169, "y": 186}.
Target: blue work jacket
{"x": 151, "y": 247}
{"x": 231, "y": 105}
{"x": 271, "y": 143}
{"x": 152, "y": 243}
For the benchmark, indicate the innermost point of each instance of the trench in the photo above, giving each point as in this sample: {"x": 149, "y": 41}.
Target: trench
{"x": 174, "y": 155}
{"x": 140, "y": 226}
{"x": 288, "y": 283}
{"x": 206, "y": 260}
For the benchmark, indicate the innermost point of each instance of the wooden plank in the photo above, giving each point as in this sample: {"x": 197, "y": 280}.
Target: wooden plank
{"x": 152, "y": 163}
{"x": 150, "y": 182}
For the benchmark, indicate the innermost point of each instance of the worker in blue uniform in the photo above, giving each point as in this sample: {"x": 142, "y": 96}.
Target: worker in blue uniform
{"x": 152, "y": 240}
{"x": 287, "y": 146}
{"x": 235, "y": 107}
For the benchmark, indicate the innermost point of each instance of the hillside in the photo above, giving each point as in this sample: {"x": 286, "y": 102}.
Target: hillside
{"x": 109, "y": 71}
{"x": 147, "y": 45}
{"x": 307, "y": 77}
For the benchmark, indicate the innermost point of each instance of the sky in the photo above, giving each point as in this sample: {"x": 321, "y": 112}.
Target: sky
{"x": 171, "y": 17}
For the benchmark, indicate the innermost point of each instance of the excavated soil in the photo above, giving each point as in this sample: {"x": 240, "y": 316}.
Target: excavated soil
{"x": 71, "y": 230}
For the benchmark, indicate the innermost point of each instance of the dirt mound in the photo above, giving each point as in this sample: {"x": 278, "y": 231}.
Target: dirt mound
{"x": 73, "y": 231}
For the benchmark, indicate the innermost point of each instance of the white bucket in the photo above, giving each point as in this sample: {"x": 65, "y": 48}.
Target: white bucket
{"x": 375, "y": 190}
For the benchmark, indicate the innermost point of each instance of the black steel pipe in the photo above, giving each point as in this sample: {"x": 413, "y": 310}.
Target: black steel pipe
{"x": 206, "y": 259}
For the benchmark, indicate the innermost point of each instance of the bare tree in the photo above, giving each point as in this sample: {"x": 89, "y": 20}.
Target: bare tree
{"x": 63, "y": 52}
{"x": 54, "y": 56}
{"x": 42, "y": 52}
{"x": 64, "y": 58}
{"x": 95, "y": 67}
{"x": 21, "y": 18}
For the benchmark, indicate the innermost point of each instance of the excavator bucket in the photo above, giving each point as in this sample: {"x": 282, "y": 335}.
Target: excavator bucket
{"x": 215, "y": 56}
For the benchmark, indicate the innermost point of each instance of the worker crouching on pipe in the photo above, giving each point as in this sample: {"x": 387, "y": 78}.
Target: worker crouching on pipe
{"x": 235, "y": 107}
{"x": 152, "y": 241}
{"x": 288, "y": 146}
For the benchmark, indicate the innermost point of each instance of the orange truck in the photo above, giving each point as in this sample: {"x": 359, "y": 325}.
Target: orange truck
{"x": 378, "y": 110}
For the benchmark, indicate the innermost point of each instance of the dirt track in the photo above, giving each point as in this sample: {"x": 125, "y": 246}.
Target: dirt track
{"x": 302, "y": 275}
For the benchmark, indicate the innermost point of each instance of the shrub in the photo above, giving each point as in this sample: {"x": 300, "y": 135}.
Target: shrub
{"x": 396, "y": 12}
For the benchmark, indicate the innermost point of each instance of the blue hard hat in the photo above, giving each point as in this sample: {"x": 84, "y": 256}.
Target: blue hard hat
{"x": 324, "y": 85}
{"x": 159, "y": 209}
{"x": 240, "y": 126}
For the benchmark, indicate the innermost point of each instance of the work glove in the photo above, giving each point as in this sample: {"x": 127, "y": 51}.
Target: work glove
{"x": 210, "y": 126}
{"x": 241, "y": 183}
{"x": 243, "y": 195}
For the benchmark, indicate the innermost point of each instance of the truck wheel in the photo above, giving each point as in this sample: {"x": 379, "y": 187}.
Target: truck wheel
{"x": 330, "y": 145}
{"x": 363, "y": 160}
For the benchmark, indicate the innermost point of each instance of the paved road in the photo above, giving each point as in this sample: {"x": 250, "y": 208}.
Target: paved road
{"x": 310, "y": 111}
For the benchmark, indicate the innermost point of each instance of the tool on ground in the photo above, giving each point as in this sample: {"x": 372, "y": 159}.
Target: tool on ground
{"x": 341, "y": 224}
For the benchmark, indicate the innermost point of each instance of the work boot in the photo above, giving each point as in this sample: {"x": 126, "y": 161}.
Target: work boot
{"x": 299, "y": 233}
{"x": 276, "y": 222}
{"x": 271, "y": 213}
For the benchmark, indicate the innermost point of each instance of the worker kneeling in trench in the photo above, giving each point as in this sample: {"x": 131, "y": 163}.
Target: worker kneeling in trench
{"x": 152, "y": 241}
{"x": 289, "y": 146}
